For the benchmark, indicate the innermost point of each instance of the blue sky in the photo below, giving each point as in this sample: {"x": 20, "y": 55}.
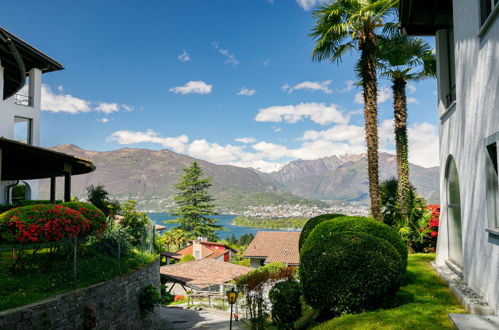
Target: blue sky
{"x": 228, "y": 81}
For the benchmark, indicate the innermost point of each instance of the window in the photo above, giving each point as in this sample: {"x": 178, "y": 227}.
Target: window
{"x": 492, "y": 181}
{"x": 23, "y": 130}
{"x": 454, "y": 228}
{"x": 451, "y": 69}
{"x": 486, "y": 8}
{"x": 197, "y": 255}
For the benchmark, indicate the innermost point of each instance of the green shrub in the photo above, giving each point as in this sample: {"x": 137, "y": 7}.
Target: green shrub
{"x": 112, "y": 241}
{"x": 91, "y": 213}
{"x": 187, "y": 257}
{"x": 348, "y": 272}
{"x": 371, "y": 227}
{"x": 310, "y": 225}
{"x": 148, "y": 297}
{"x": 286, "y": 304}
{"x": 166, "y": 297}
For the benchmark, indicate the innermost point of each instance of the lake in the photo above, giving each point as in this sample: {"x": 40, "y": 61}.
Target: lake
{"x": 223, "y": 219}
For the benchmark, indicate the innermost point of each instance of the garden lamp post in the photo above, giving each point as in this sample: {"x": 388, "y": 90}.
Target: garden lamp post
{"x": 231, "y": 298}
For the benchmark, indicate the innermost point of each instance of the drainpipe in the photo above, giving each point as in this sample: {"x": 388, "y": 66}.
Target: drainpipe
{"x": 7, "y": 192}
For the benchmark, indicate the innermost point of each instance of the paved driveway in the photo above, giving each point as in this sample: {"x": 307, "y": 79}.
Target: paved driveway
{"x": 178, "y": 318}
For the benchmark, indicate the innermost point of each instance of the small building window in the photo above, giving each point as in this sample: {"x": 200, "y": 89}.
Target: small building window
{"x": 23, "y": 130}
{"x": 486, "y": 8}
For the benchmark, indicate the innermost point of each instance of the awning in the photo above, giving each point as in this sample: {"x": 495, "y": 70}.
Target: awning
{"x": 22, "y": 161}
{"x": 425, "y": 17}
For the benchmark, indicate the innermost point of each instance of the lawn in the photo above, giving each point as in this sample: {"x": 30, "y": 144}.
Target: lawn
{"x": 423, "y": 303}
{"x": 46, "y": 276}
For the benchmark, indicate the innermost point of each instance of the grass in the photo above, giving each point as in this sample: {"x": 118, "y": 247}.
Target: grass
{"x": 423, "y": 303}
{"x": 46, "y": 276}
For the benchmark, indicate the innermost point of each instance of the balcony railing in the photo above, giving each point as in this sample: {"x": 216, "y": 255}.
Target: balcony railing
{"x": 23, "y": 100}
{"x": 451, "y": 96}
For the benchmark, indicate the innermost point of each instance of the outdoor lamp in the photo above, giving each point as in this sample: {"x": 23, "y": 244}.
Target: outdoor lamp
{"x": 231, "y": 297}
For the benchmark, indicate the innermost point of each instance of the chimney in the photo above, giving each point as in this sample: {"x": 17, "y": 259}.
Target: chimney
{"x": 196, "y": 249}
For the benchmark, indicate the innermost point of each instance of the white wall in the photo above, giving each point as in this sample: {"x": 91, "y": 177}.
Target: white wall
{"x": 9, "y": 109}
{"x": 463, "y": 129}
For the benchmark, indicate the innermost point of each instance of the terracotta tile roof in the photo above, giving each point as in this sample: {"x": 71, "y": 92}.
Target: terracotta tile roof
{"x": 203, "y": 271}
{"x": 272, "y": 245}
{"x": 173, "y": 255}
{"x": 205, "y": 252}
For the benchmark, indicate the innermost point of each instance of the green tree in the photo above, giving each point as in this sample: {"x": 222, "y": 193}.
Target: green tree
{"x": 402, "y": 59}
{"x": 347, "y": 25}
{"x": 134, "y": 222}
{"x": 99, "y": 196}
{"x": 195, "y": 205}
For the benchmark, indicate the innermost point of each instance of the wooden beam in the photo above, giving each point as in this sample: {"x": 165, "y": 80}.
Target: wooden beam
{"x": 67, "y": 187}
{"x": 52, "y": 190}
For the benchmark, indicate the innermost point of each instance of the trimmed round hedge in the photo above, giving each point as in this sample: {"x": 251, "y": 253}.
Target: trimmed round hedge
{"x": 371, "y": 227}
{"x": 41, "y": 223}
{"x": 286, "y": 305}
{"x": 91, "y": 213}
{"x": 311, "y": 223}
{"x": 348, "y": 272}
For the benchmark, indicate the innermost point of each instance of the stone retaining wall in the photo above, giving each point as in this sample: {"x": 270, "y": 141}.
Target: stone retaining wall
{"x": 113, "y": 303}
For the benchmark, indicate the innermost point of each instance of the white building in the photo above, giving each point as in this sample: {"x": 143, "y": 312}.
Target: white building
{"x": 21, "y": 161}
{"x": 467, "y": 42}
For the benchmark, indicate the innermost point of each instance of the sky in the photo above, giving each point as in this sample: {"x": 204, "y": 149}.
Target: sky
{"x": 227, "y": 81}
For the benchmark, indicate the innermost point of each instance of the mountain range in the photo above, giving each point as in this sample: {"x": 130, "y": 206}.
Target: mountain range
{"x": 148, "y": 176}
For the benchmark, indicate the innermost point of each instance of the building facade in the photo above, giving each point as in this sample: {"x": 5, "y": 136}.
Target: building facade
{"x": 467, "y": 46}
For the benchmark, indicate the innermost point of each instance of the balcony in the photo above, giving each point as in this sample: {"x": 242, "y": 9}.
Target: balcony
{"x": 23, "y": 100}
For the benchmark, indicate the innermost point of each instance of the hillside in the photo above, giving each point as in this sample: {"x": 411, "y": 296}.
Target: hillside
{"x": 148, "y": 176}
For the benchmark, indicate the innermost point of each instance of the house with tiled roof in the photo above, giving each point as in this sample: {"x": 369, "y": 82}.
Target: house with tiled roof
{"x": 273, "y": 246}
{"x": 202, "y": 249}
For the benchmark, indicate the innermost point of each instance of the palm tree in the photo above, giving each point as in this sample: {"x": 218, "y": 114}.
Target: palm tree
{"x": 402, "y": 59}
{"x": 347, "y": 25}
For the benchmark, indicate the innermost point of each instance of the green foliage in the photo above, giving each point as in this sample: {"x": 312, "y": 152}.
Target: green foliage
{"x": 276, "y": 223}
{"x": 348, "y": 272}
{"x": 371, "y": 227}
{"x": 194, "y": 204}
{"x": 19, "y": 192}
{"x": 418, "y": 216}
{"x": 310, "y": 225}
{"x": 166, "y": 297}
{"x": 134, "y": 222}
{"x": 24, "y": 202}
{"x": 176, "y": 238}
{"x": 286, "y": 304}
{"x": 113, "y": 241}
{"x": 423, "y": 303}
{"x": 148, "y": 297}
{"x": 90, "y": 212}
{"x": 99, "y": 196}
{"x": 187, "y": 257}
{"x": 252, "y": 285}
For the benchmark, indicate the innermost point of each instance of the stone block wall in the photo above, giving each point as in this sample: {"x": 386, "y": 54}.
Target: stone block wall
{"x": 113, "y": 305}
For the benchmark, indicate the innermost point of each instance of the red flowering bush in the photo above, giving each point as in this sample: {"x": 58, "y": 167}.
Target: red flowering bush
{"x": 91, "y": 213}
{"x": 41, "y": 223}
{"x": 434, "y": 222}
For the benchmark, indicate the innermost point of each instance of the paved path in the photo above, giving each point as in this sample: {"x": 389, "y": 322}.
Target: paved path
{"x": 178, "y": 318}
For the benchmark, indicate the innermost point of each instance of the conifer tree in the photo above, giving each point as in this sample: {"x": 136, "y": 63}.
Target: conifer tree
{"x": 195, "y": 205}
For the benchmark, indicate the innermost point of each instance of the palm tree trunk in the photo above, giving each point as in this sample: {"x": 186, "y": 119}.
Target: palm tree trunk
{"x": 400, "y": 115}
{"x": 370, "y": 93}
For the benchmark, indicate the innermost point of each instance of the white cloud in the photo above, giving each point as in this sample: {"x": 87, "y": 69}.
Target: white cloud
{"x": 62, "y": 102}
{"x": 423, "y": 144}
{"x": 60, "y": 88}
{"x": 271, "y": 151}
{"x": 192, "y": 87}
{"x": 129, "y": 137}
{"x": 246, "y": 140}
{"x": 412, "y": 100}
{"x": 411, "y": 88}
{"x": 349, "y": 85}
{"x": 317, "y": 112}
{"x": 230, "y": 58}
{"x": 310, "y": 86}
{"x": 309, "y": 4}
{"x": 214, "y": 152}
{"x": 184, "y": 57}
{"x": 103, "y": 120}
{"x": 107, "y": 108}
{"x": 127, "y": 107}
{"x": 247, "y": 92}
{"x": 384, "y": 94}
{"x": 277, "y": 129}
{"x": 352, "y": 134}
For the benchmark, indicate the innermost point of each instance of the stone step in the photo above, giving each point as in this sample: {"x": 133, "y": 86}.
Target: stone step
{"x": 475, "y": 322}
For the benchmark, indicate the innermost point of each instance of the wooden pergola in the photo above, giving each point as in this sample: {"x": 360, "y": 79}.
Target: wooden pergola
{"x": 20, "y": 161}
